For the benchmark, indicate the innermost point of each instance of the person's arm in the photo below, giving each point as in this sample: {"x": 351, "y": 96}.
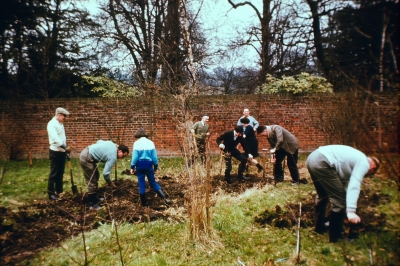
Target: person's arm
{"x": 220, "y": 141}
{"x": 154, "y": 159}
{"x": 279, "y": 137}
{"x": 194, "y": 127}
{"x": 255, "y": 124}
{"x": 245, "y": 147}
{"x": 353, "y": 189}
{"x": 107, "y": 168}
{"x": 135, "y": 157}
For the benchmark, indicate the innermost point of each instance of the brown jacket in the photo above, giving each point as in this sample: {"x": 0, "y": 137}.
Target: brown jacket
{"x": 283, "y": 139}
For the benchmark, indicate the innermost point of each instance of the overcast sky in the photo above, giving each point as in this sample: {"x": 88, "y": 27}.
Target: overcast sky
{"x": 220, "y": 22}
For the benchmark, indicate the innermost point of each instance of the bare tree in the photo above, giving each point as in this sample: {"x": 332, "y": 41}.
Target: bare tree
{"x": 281, "y": 38}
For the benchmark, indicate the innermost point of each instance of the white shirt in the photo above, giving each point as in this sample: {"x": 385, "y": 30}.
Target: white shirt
{"x": 56, "y": 133}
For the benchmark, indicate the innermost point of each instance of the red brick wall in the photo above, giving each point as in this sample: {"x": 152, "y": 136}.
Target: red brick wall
{"x": 23, "y": 125}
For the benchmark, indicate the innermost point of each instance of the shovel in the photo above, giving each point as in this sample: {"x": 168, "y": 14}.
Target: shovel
{"x": 73, "y": 186}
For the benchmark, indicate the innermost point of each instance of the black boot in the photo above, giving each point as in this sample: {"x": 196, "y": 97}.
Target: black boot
{"x": 143, "y": 200}
{"x": 336, "y": 226}
{"x": 161, "y": 194}
{"x": 320, "y": 219}
{"x": 94, "y": 202}
{"x": 260, "y": 168}
{"x": 228, "y": 180}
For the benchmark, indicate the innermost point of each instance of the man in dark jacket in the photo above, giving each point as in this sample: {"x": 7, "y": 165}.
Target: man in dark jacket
{"x": 228, "y": 143}
{"x": 283, "y": 144}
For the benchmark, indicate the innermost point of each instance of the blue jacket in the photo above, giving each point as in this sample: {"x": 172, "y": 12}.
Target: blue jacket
{"x": 144, "y": 149}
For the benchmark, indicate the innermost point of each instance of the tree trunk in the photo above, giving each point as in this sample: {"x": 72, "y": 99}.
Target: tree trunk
{"x": 382, "y": 51}
{"x": 318, "y": 37}
{"x": 265, "y": 41}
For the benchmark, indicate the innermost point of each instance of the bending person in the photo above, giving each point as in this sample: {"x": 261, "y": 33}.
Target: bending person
{"x": 283, "y": 144}
{"x": 102, "y": 151}
{"x": 337, "y": 172}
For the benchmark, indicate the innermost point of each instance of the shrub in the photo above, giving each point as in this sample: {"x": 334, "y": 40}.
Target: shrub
{"x": 303, "y": 83}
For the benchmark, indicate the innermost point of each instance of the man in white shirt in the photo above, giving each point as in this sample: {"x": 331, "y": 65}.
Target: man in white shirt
{"x": 57, "y": 153}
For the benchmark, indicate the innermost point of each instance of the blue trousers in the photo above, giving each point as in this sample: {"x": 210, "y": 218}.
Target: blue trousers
{"x": 143, "y": 169}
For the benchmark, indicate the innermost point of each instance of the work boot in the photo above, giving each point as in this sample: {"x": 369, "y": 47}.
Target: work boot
{"x": 320, "y": 219}
{"x": 53, "y": 197}
{"x": 100, "y": 197}
{"x": 260, "y": 168}
{"x": 228, "y": 180}
{"x": 143, "y": 200}
{"x": 243, "y": 178}
{"x": 335, "y": 226}
{"x": 94, "y": 202}
{"x": 161, "y": 194}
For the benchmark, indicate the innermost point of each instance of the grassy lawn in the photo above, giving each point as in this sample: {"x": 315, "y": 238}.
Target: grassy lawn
{"x": 236, "y": 238}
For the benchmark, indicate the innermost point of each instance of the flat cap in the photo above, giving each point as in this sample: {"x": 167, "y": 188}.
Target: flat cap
{"x": 60, "y": 110}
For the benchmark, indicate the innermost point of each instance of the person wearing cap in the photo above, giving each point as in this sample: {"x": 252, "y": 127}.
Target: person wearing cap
{"x": 104, "y": 151}
{"x": 57, "y": 153}
{"x": 251, "y": 141}
{"x": 145, "y": 163}
{"x": 283, "y": 144}
{"x": 228, "y": 142}
{"x": 200, "y": 130}
{"x": 253, "y": 122}
{"x": 337, "y": 172}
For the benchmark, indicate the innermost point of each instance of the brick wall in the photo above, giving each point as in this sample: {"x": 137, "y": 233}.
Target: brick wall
{"x": 23, "y": 124}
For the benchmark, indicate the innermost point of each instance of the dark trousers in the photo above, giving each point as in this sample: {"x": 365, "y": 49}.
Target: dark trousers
{"x": 228, "y": 162}
{"x": 201, "y": 149}
{"x": 57, "y": 166}
{"x": 291, "y": 163}
{"x": 327, "y": 182}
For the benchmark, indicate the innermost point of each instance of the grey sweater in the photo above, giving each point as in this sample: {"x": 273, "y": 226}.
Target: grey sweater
{"x": 106, "y": 152}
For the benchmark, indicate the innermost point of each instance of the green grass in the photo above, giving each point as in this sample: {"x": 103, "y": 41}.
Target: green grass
{"x": 236, "y": 237}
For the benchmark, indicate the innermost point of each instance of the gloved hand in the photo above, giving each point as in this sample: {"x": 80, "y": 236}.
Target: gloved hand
{"x": 221, "y": 146}
{"x": 353, "y": 218}
{"x": 272, "y": 150}
{"x": 250, "y": 156}
{"x": 192, "y": 130}
{"x": 111, "y": 184}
